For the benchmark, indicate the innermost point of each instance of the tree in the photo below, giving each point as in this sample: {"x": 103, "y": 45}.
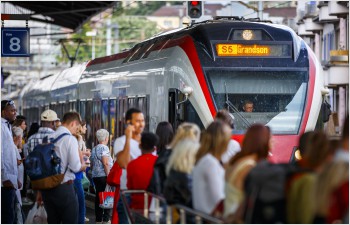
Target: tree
{"x": 132, "y": 29}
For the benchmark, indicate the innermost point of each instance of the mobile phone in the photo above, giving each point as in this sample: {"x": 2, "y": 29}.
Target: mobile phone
{"x": 126, "y": 125}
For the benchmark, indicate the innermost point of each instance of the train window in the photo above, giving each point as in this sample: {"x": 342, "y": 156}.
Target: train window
{"x": 157, "y": 46}
{"x": 88, "y": 118}
{"x": 96, "y": 122}
{"x": 105, "y": 115}
{"x": 113, "y": 117}
{"x": 147, "y": 51}
{"x": 60, "y": 110}
{"x": 122, "y": 107}
{"x": 73, "y": 106}
{"x": 132, "y": 102}
{"x": 140, "y": 52}
{"x": 64, "y": 108}
{"x": 133, "y": 52}
{"x": 278, "y": 97}
{"x": 32, "y": 115}
{"x": 82, "y": 109}
{"x": 142, "y": 105}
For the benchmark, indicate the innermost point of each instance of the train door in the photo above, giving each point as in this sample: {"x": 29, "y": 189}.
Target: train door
{"x": 172, "y": 112}
{"x": 182, "y": 111}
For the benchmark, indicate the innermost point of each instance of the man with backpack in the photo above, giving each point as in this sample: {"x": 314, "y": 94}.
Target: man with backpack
{"x": 61, "y": 202}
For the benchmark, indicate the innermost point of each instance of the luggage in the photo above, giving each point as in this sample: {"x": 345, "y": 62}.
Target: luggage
{"x": 107, "y": 198}
{"x": 43, "y": 166}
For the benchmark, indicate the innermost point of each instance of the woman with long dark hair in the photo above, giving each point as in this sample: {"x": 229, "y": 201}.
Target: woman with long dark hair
{"x": 255, "y": 147}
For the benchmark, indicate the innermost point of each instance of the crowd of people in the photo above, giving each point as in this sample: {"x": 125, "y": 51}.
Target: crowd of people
{"x": 204, "y": 170}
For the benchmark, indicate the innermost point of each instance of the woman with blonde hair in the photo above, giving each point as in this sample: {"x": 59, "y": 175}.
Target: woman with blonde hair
{"x": 208, "y": 173}
{"x": 178, "y": 185}
{"x": 184, "y": 131}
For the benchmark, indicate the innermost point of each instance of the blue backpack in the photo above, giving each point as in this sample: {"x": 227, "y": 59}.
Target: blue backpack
{"x": 43, "y": 166}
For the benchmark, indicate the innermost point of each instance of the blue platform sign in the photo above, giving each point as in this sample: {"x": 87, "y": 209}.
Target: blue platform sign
{"x": 15, "y": 42}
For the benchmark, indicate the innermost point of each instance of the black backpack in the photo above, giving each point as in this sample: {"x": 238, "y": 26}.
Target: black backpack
{"x": 43, "y": 166}
{"x": 265, "y": 192}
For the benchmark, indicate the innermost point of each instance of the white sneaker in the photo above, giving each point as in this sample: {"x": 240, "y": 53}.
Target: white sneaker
{"x": 87, "y": 219}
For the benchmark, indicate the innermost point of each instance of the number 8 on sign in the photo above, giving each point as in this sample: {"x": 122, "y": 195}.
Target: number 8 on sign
{"x": 15, "y": 44}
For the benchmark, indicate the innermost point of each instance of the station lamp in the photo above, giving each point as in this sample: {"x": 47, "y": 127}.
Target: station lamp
{"x": 194, "y": 9}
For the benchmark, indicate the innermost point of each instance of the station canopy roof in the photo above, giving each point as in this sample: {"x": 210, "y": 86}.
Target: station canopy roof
{"x": 67, "y": 14}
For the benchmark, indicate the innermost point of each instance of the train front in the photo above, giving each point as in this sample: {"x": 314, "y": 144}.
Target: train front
{"x": 263, "y": 74}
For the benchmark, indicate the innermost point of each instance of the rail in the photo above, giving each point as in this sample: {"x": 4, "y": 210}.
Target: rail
{"x": 160, "y": 212}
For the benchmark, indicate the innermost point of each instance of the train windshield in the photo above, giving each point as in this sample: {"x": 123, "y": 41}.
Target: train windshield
{"x": 273, "y": 98}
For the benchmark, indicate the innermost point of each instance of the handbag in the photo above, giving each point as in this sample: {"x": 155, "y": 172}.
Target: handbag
{"x": 37, "y": 215}
{"x": 85, "y": 182}
{"x": 113, "y": 178}
{"x": 107, "y": 198}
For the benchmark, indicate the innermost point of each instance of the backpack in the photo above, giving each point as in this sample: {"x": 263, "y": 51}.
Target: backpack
{"x": 43, "y": 166}
{"x": 265, "y": 192}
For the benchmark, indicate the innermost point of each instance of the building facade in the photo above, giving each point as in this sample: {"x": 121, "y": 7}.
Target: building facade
{"x": 324, "y": 25}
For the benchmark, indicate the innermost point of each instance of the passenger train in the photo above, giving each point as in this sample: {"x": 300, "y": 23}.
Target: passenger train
{"x": 188, "y": 75}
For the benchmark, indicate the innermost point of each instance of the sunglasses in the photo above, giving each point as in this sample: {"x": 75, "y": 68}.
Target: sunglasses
{"x": 5, "y": 103}
{"x": 9, "y": 102}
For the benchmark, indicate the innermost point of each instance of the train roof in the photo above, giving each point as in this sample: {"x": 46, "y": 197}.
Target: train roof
{"x": 58, "y": 81}
{"x": 209, "y": 30}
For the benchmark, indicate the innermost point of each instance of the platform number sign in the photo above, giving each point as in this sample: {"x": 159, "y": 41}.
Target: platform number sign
{"x": 15, "y": 42}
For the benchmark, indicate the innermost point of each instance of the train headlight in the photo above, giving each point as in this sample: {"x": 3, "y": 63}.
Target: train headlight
{"x": 187, "y": 90}
{"x": 297, "y": 154}
{"x": 247, "y": 34}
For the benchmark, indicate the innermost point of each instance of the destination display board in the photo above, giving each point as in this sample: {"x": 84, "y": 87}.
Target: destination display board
{"x": 252, "y": 50}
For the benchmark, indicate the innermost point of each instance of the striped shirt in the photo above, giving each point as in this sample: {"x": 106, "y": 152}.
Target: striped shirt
{"x": 38, "y": 137}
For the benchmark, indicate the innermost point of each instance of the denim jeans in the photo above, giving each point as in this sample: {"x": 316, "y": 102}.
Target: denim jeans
{"x": 8, "y": 199}
{"x": 123, "y": 219}
{"x": 81, "y": 200}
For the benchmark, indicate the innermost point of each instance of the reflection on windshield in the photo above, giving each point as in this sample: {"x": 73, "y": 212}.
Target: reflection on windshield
{"x": 273, "y": 98}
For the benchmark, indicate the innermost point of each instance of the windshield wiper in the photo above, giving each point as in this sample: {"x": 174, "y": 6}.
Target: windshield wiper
{"x": 230, "y": 105}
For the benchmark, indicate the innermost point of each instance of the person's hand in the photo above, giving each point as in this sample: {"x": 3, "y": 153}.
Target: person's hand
{"x": 84, "y": 166}
{"x": 7, "y": 184}
{"x": 39, "y": 199}
{"x": 128, "y": 131}
{"x": 87, "y": 153}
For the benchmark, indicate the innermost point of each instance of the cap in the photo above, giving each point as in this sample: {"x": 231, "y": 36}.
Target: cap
{"x": 49, "y": 115}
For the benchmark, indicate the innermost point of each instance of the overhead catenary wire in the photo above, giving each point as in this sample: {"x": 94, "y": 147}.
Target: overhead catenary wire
{"x": 283, "y": 3}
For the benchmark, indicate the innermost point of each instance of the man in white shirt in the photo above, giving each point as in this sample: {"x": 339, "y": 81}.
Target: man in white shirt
{"x": 9, "y": 170}
{"x": 61, "y": 202}
{"x": 126, "y": 148}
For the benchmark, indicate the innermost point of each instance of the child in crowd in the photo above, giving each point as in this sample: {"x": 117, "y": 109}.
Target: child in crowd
{"x": 140, "y": 170}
